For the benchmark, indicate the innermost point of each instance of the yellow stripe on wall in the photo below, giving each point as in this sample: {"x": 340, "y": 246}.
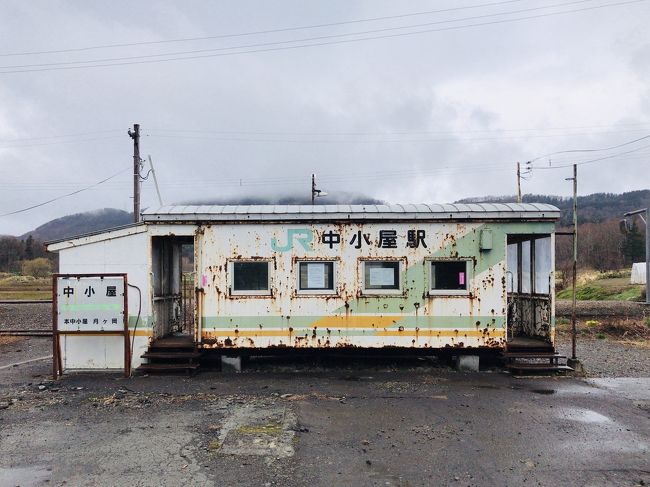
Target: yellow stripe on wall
{"x": 356, "y": 321}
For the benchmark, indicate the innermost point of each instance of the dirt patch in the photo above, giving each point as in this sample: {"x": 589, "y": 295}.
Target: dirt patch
{"x": 7, "y": 340}
{"x": 599, "y": 327}
{"x": 599, "y": 309}
{"x": 259, "y": 428}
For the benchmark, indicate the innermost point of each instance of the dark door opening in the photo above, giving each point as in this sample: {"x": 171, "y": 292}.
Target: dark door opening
{"x": 529, "y": 287}
{"x": 173, "y": 286}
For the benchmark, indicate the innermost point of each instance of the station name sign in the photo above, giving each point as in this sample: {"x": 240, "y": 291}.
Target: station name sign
{"x": 385, "y": 238}
{"x": 90, "y": 303}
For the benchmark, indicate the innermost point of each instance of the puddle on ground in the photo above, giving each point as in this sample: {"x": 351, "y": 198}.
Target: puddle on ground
{"x": 355, "y": 378}
{"x": 24, "y": 476}
{"x": 584, "y": 416}
{"x": 546, "y": 392}
{"x": 631, "y": 388}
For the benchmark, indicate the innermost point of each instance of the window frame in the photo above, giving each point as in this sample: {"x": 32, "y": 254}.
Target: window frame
{"x": 317, "y": 292}
{"x": 428, "y": 277}
{"x": 250, "y": 293}
{"x": 401, "y": 279}
{"x": 519, "y": 240}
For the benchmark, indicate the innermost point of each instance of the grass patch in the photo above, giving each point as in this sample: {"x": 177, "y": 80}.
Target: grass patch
{"x": 16, "y": 286}
{"x": 24, "y": 295}
{"x": 261, "y": 429}
{"x": 606, "y": 286}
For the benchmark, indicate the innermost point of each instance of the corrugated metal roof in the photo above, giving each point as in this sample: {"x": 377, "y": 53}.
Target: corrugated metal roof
{"x": 473, "y": 211}
{"x": 98, "y": 236}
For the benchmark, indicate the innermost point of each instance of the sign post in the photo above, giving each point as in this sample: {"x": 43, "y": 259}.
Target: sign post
{"x": 89, "y": 304}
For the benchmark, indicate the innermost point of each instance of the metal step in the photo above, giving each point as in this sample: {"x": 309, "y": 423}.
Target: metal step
{"x": 540, "y": 355}
{"x": 168, "y": 367}
{"x": 171, "y": 355}
{"x": 538, "y": 367}
{"x": 180, "y": 342}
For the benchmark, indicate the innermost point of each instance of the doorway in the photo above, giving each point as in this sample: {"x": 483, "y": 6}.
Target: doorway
{"x": 173, "y": 286}
{"x": 529, "y": 288}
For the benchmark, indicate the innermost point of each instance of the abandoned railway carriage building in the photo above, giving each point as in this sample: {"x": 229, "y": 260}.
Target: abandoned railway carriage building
{"x": 257, "y": 277}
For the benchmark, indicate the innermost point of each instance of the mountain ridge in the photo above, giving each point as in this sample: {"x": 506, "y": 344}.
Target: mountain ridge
{"x": 593, "y": 208}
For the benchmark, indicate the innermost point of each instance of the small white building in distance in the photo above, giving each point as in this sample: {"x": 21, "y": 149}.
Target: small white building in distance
{"x": 638, "y": 273}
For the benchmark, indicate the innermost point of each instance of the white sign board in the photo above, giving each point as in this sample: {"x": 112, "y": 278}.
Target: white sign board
{"x": 90, "y": 303}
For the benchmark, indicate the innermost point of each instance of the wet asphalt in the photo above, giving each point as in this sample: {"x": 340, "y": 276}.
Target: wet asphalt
{"x": 345, "y": 422}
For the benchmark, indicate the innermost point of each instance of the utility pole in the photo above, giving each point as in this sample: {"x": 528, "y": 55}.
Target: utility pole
{"x": 137, "y": 163}
{"x": 155, "y": 181}
{"x": 575, "y": 262}
{"x": 646, "y": 220}
{"x": 518, "y": 183}
{"x": 315, "y": 192}
{"x": 647, "y": 255}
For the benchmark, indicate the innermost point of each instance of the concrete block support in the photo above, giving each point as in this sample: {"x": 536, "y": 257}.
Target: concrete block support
{"x": 230, "y": 364}
{"x": 467, "y": 363}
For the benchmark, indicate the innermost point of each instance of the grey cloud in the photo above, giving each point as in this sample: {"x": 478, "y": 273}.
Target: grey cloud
{"x": 445, "y": 88}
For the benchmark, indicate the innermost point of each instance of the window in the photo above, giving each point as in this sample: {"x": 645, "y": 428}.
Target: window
{"x": 526, "y": 277}
{"x": 529, "y": 264}
{"x": 543, "y": 265}
{"x": 512, "y": 275}
{"x": 250, "y": 277}
{"x": 316, "y": 276}
{"x": 381, "y": 275}
{"x": 449, "y": 276}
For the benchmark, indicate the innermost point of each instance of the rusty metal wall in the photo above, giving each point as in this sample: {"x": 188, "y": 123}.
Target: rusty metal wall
{"x": 415, "y": 317}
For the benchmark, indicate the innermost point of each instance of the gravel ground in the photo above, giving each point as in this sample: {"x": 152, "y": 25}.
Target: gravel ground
{"x": 26, "y": 316}
{"x": 607, "y": 357}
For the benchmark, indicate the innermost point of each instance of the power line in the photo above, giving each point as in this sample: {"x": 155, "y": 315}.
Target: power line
{"x": 291, "y": 41}
{"x": 314, "y": 44}
{"x": 589, "y": 150}
{"x": 154, "y": 132}
{"x": 328, "y": 177}
{"x": 377, "y": 141}
{"x": 407, "y": 132}
{"x": 333, "y": 178}
{"x": 591, "y": 161}
{"x": 65, "y": 195}
{"x": 58, "y": 142}
{"x": 253, "y": 33}
{"x": 60, "y": 136}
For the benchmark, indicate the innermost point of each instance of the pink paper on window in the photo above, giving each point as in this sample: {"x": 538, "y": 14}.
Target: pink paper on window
{"x": 461, "y": 278}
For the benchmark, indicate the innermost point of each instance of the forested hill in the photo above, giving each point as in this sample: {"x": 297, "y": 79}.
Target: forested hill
{"x": 593, "y": 208}
{"x": 80, "y": 223}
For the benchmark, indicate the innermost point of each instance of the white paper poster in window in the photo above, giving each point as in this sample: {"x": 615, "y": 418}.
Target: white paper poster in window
{"x": 382, "y": 276}
{"x": 315, "y": 275}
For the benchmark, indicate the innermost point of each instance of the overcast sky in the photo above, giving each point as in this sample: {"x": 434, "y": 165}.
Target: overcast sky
{"x": 432, "y": 116}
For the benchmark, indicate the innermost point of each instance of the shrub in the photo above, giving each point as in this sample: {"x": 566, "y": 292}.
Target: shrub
{"x": 40, "y": 267}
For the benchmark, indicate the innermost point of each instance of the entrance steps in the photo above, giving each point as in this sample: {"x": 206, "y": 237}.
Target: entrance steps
{"x": 172, "y": 354}
{"x": 533, "y": 356}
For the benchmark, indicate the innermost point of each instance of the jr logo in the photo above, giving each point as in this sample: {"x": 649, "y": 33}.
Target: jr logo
{"x": 303, "y": 236}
